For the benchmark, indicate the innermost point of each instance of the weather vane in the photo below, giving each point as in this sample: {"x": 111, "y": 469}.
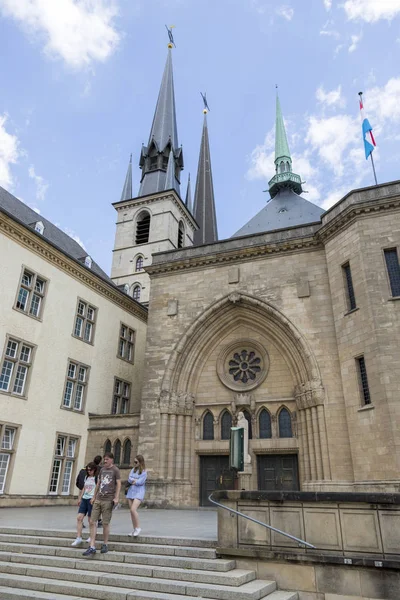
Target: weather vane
{"x": 206, "y": 107}
{"x": 171, "y": 37}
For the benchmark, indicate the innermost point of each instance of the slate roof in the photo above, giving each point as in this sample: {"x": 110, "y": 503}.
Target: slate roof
{"x": 204, "y": 203}
{"x": 20, "y": 212}
{"x": 286, "y": 209}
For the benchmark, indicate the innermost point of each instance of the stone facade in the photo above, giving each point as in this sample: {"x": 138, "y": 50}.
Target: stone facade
{"x": 283, "y": 292}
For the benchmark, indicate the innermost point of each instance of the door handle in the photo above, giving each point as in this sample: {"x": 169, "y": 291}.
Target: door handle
{"x": 220, "y": 480}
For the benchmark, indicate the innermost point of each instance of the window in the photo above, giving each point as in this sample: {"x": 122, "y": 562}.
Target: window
{"x": 8, "y": 436}
{"x": 75, "y": 386}
{"x": 208, "y": 426}
{"x": 143, "y": 228}
{"x": 139, "y": 263}
{"x": 39, "y": 227}
{"x": 363, "y": 380}
{"x": 62, "y": 472}
{"x": 107, "y": 446}
{"x": 88, "y": 262}
{"x": 264, "y": 424}
{"x": 350, "y": 297}
{"x": 85, "y": 320}
{"x": 121, "y": 397}
{"x": 136, "y": 293}
{"x": 153, "y": 163}
{"x": 17, "y": 361}
{"x": 393, "y": 269}
{"x": 181, "y": 233}
{"x": 126, "y": 344}
{"x": 117, "y": 452}
{"x": 285, "y": 424}
{"x": 226, "y": 424}
{"x": 248, "y": 418}
{"x": 127, "y": 452}
{"x": 31, "y": 292}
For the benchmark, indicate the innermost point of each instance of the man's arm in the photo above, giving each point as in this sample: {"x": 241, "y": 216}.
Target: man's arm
{"x": 117, "y": 491}
{"x": 95, "y": 492}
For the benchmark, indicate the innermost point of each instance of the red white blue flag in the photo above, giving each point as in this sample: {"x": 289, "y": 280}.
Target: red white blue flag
{"x": 369, "y": 140}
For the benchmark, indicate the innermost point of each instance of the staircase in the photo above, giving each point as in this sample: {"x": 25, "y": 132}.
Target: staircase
{"x": 40, "y": 564}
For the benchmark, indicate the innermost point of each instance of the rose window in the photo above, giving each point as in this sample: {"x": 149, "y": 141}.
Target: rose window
{"x": 244, "y": 366}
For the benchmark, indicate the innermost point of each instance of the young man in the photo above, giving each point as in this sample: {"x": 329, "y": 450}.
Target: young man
{"x": 106, "y": 496}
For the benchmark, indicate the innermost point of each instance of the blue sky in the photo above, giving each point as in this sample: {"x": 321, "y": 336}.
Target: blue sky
{"x": 80, "y": 80}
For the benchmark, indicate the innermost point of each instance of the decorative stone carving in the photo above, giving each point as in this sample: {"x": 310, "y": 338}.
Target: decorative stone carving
{"x": 163, "y": 401}
{"x": 197, "y": 428}
{"x": 172, "y": 308}
{"x": 176, "y": 403}
{"x": 309, "y": 393}
{"x": 242, "y": 422}
{"x": 243, "y": 399}
{"x": 242, "y": 366}
{"x": 234, "y": 297}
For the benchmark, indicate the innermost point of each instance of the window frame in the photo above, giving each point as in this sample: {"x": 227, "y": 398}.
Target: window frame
{"x": 389, "y": 279}
{"x": 181, "y": 235}
{"x": 63, "y": 459}
{"x": 361, "y": 389}
{"x": 125, "y": 356}
{"x": 260, "y": 413}
{"x": 32, "y": 291}
{"x": 139, "y": 258}
{"x": 76, "y": 381}
{"x": 207, "y": 414}
{"x": 225, "y": 414}
{"x": 142, "y": 215}
{"x": 349, "y": 291}
{"x": 121, "y": 397}
{"x": 85, "y": 320}
{"x": 16, "y": 363}
{"x": 11, "y": 453}
{"x": 284, "y": 410}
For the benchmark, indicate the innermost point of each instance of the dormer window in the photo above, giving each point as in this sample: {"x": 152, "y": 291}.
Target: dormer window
{"x": 88, "y": 262}
{"x": 39, "y": 227}
{"x": 282, "y": 210}
{"x": 153, "y": 163}
{"x": 126, "y": 288}
{"x": 165, "y": 162}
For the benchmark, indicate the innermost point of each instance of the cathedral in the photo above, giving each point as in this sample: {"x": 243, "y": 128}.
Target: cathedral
{"x": 293, "y": 321}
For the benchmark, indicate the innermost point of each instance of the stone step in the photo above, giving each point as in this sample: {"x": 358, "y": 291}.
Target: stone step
{"x": 234, "y": 577}
{"x": 163, "y": 541}
{"x": 111, "y": 587}
{"x": 128, "y": 545}
{"x": 161, "y": 560}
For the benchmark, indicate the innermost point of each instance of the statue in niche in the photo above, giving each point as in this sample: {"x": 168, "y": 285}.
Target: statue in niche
{"x": 242, "y": 422}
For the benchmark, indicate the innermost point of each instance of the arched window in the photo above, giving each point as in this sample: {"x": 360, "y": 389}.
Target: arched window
{"x": 117, "y": 452}
{"x": 248, "y": 418}
{"x": 127, "y": 452}
{"x": 136, "y": 293}
{"x": 107, "y": 446}
{"x": 282, "y": 167}
{"x": 285, "y": 424}
{"x": 208, "y": 426}
{"x": 139, "y": 263}
{"x": 181, "y": 233}
{"x": 226, "y": 424}
{"x": 264, "y": 424}
{"x": 143, "y": 228}
{"x": 287, "y": 166}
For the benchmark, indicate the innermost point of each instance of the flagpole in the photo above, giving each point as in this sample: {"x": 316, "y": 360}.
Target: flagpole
{"x": 372, "y": 159}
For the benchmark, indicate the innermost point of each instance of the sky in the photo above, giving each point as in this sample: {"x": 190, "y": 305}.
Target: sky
{"x": 80, "y": 79}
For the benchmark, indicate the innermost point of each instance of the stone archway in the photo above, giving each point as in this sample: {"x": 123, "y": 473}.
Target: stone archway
{"x": 185, "y": 364}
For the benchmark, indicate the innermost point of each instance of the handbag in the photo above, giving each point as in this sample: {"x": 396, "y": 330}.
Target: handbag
{"x": 127, "y": 486}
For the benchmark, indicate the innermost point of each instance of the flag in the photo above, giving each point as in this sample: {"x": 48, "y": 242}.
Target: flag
{"x": 369, "y": 140}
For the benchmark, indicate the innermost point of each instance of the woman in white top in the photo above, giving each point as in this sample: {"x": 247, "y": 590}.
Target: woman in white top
{"x": 85, "y": 496}
{"x": 135, "y": 494}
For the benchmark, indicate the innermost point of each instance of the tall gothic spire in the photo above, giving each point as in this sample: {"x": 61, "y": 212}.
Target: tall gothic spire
{"x": 163, "y": 140}
{"x": 188, "y": 199}
{"x": 204, "y": 205}
{"x": 283, "y": 178}
{"x": 127, "y": 189}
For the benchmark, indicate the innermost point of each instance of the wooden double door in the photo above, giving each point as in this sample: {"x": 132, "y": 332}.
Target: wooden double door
{"x": 214, "y": 475}
{"x": 278, "y": 472}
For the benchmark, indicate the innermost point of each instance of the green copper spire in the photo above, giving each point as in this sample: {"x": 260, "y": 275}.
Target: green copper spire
{"x": 284, "y": 178}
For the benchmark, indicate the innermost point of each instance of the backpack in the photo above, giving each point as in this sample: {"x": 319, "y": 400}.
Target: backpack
{"x": 80, "y": 480}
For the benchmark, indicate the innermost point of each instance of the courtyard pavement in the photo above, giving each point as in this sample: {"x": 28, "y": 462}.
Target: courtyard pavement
{"x": 196, "y": 524}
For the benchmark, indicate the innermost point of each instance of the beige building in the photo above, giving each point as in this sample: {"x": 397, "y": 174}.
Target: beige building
{"x": 69, "y": 342}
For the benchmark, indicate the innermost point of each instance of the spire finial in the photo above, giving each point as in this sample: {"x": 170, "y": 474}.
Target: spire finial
{"x": 171, "y": 43}
{"x": 206, "y": 107}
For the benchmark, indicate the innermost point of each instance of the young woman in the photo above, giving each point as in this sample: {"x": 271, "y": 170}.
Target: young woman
{"x": 85, "y": 496}
{"x": 137, "y": 479}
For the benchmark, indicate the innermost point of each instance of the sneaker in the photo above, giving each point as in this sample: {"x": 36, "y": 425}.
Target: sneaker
{"x": 77, "y": 542}
{"x": 89, "y": 551}
{"x": 104, "y": 549}
{"x": 132, "y": 533}
{"x": 136, "y": 532}
{"x": 88, "y": 541}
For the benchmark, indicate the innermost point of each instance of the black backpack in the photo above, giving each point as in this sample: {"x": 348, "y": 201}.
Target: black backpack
{"x": 80, "y": 480}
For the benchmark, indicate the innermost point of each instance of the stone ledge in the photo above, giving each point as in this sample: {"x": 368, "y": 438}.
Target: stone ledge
{"x": 337, "y": 497}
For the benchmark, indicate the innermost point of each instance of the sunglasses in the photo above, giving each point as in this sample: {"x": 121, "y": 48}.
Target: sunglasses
{"x": 135, "y": 462}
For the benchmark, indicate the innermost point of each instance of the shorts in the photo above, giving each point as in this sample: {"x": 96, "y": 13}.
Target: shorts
{"x": 85, "y": 508}
{"x": 103, "y": 509}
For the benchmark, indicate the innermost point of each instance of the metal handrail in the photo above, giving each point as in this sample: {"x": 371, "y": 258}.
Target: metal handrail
{"x": 301, "y": 543}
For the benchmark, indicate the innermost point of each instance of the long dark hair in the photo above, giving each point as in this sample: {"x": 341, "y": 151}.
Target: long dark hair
{"x": 140, "y": 467}
{"x": 94, "y": 467}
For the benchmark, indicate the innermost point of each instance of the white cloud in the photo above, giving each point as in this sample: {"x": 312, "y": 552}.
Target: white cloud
{"x": 383, "y": 104}
{"x": 285, "y": 11}
{"x": 9, "y": 153}
{"x": 78, "y": 31}
{"x": 40, "y": 182}
{"x": 372, "y": 10}
{"x": 354, "y": 42}
{"x": 328, "y": 4}
{"x": 332, "y": 98}
{"x": 75, "y": 237}
{"x": 330, "y": 33}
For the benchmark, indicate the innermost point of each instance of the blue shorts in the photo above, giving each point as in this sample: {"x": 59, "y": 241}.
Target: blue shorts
{"x": 85, "y": 508}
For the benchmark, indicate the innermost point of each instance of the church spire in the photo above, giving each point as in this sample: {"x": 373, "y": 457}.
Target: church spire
{"x": 283, "y": 178}
{"x": 188, "y": 199}
{"x": 127, "y": 189}
{"x": 163, "y": 139}
{"x": 204, "y": 205}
